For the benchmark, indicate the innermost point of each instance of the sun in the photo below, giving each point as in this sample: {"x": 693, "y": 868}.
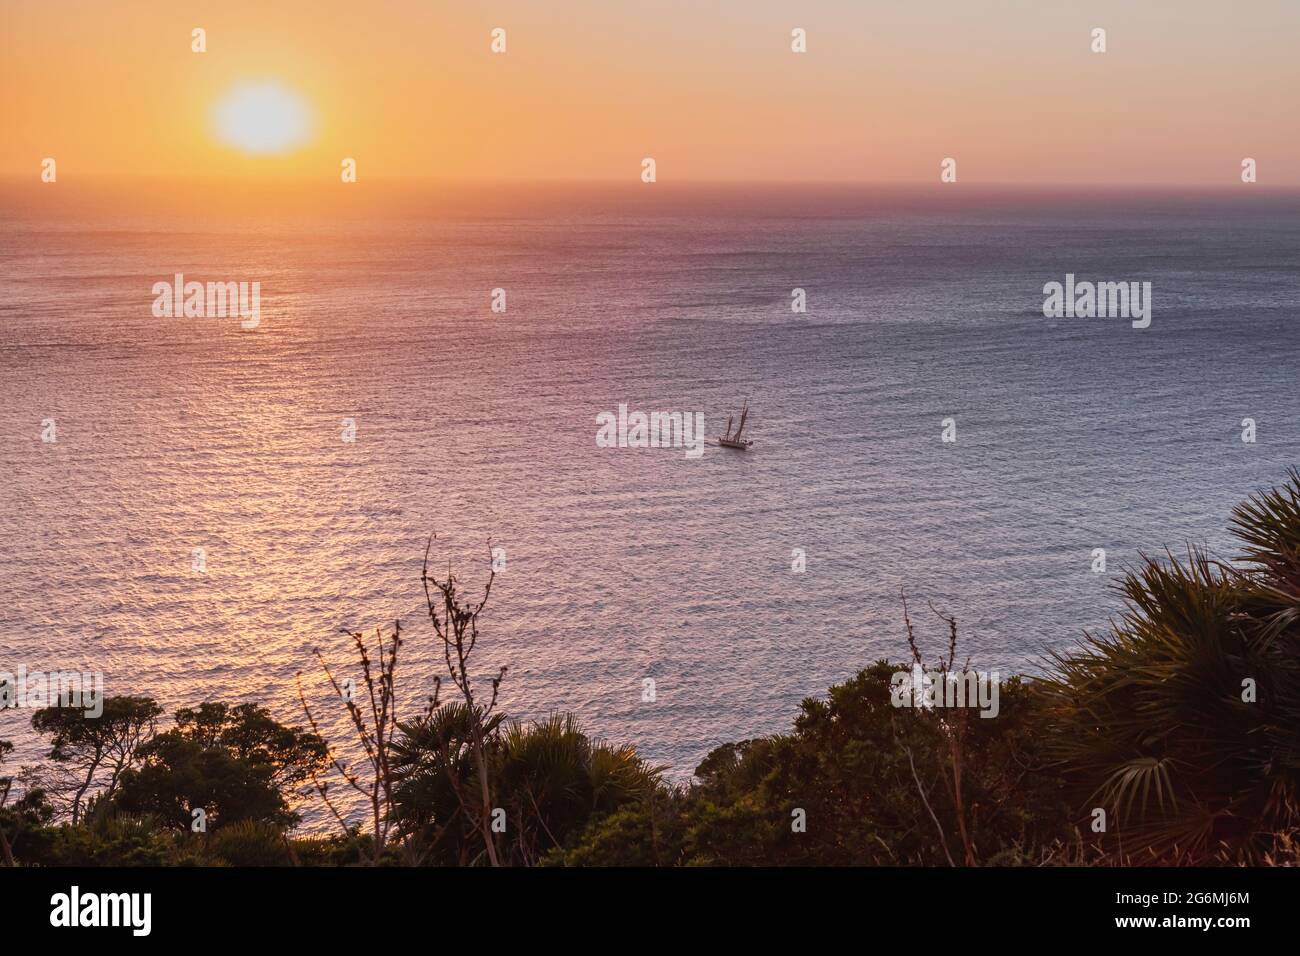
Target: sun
{"x": 263, "y": 118}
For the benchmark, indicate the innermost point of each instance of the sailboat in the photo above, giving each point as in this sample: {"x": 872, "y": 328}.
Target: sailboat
{"x": 733, "y": 440}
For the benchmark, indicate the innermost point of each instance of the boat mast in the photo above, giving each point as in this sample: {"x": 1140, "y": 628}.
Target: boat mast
{"x": 743, "y": 415}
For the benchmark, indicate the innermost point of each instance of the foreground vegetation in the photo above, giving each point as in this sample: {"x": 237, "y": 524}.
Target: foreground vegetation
{"x": 1172, "y": 739}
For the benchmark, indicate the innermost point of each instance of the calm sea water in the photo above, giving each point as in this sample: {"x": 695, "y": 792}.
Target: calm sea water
{"x": 621, "y": 564}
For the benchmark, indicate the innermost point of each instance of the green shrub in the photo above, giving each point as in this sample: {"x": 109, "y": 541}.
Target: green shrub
{"x": 249, "y": 843}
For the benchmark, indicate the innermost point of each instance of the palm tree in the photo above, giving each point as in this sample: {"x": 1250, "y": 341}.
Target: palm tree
{"x": 553, "y": 779}
{"x": 549, "y": 779}
{"x": 435, "y": 783}
{"x": 1183, "y": 722}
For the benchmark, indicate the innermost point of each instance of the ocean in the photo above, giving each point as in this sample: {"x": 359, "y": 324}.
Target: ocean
{"x": 620, "y": 564}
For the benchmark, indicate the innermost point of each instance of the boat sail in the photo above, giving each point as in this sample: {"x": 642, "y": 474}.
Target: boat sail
{"x": 733, "y": 440}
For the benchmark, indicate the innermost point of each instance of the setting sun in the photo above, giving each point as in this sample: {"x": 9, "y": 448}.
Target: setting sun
{"x": 262, "y": 118}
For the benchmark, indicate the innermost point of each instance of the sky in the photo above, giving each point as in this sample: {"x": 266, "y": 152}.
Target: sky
{"x": 411, "y": 90}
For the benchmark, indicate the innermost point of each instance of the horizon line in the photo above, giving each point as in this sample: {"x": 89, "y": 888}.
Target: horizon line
{"x": 634, "y": 182}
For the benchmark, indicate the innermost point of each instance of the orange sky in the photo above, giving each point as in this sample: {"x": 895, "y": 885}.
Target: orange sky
{"x": 410, "y": 89}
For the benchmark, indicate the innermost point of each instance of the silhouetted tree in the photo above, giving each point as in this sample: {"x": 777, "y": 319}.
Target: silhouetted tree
{"x": 235, "y": 763}
{"x": 103, "y": 746}
{"x": 374, "y": 721}
{"x": 455, "y": 621}
{"x": 1183, "y": 722}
